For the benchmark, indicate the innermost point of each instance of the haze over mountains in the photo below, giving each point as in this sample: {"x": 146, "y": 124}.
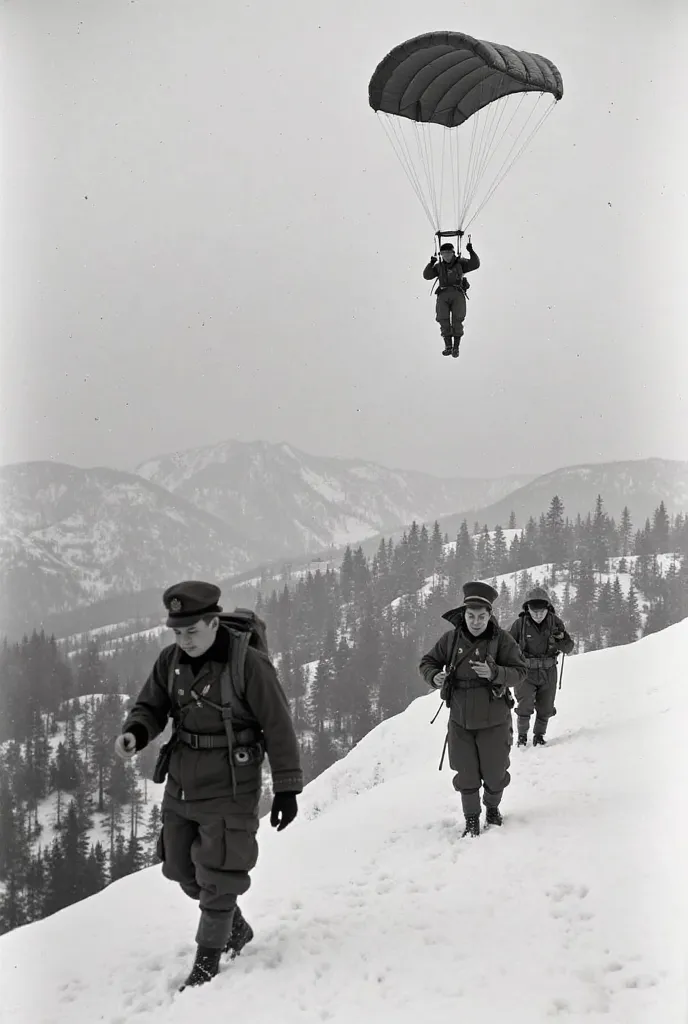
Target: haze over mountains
{"x": 70, "y": 537}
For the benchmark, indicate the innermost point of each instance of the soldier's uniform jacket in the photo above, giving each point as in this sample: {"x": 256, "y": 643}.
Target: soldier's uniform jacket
{"x": 535, "y": 640}
{"x": 262, "y": 720}
{"x": 473, "y": 705}
{"x": 450, "y": 275}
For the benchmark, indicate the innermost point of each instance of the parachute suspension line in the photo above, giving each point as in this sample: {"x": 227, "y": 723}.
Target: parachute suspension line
{"x": 455, "y": 151}
{"x": 494, "y": 115}
{"x": 505, "y": 168}
{"x": 426, "y": 158}
{"x": 400, "y": 147}
{"x": 470, "y": 183}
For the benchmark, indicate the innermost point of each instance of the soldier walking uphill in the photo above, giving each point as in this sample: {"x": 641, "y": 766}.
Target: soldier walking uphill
{"x": 541, "y": 635}
{"x": 474, "y": 664}
{"x": 450, "y": 306}
{"x": 213, "y": 762}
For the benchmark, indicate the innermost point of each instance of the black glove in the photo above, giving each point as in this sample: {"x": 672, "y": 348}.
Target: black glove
{"x": 433, "y": 259}
{"x": 557, "y": 637}
{"x": 469, "y": 246}
{"x": 284, "y": 810}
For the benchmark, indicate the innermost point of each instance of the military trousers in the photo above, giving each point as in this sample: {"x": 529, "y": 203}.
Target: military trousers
{"x": 209, "y": 847}
{"x": 536, "y": 694}
{"x": 450, "y": 312}
{"x": 480, "y": 757}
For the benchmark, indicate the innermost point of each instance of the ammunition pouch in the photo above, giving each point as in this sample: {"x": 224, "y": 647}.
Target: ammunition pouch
{"x": 548, "y": 662}
{"x": 163, "y": 762}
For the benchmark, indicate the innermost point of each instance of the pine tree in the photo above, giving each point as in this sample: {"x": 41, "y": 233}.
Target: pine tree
{"x": 660, "y": 529}
{"x": 554, "y": 539}
{"x": 626, "y": 532}
{"x": 500, "y": 553}
{"x": 12, "y": 904}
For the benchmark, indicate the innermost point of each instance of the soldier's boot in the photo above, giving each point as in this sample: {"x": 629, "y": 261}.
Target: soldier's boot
{"x": 206, "y": 965}
{"x": 447, "y": 345}
{"x": 538, "y": 740}
{"x": 493, "y": 816}
{"x": 455, "y": 348}
{"x": 472, "y": 825}
{"x": 522, "y": 739}
{"x": 242, "y": 933}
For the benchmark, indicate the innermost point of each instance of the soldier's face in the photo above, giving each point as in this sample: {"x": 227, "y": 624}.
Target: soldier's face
{"x": 537, "y": 614}
{"x": 197, "y": 638}
{"x": 477, "y": 620}
{"x": 448, "y": 255}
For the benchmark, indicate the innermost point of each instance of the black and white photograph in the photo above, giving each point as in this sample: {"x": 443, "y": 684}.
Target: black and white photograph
{"x": 343, "y": 493}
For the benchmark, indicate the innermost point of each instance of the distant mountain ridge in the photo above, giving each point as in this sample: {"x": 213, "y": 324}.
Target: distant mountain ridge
{"x": 101, "y": 542}
{"x": 638, "y": 484}
{"x": 69, "y": 537}
{"x": 288, "y": 501}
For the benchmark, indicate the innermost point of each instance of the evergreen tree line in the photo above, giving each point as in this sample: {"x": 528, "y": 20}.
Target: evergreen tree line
{"x": 365, "y": 626}
{"x": 46, "y": 865}
{"x": 347, "y": 645}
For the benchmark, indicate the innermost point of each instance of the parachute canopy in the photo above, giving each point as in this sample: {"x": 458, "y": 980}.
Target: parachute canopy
{"x": 440, "y": 80}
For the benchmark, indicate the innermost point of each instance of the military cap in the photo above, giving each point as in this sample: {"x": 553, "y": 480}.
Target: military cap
{"x": 477, "y": 593}
{"x": 538, "y": 597}
{"x": 189, "y": 601}
{"x": 447, "y": 247}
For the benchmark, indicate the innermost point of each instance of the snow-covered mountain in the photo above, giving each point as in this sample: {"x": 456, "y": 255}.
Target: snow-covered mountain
{"x": 639, "y": 484}
{"x": 70, "y": 536}
{"x": 371, "y": 907}
{"x": 290, "y": 502}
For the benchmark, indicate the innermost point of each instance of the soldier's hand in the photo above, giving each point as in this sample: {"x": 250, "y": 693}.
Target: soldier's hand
{"x": 557, "y": 637}
{"x": 284, "y": 810}
{"x": 438, "y": 679}
{"x": 125, "y": 746}
{"x": 482, "y": 669}
{"x": 433, "y": 258}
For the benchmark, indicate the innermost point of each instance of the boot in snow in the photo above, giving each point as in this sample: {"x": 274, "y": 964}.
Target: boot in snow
{"x": 242, "y": 933}
{"x": 206, "y": 966}
{"x": 538, "y": 740}
{"x": 472, "y": 825}
{"x": 522, "y": 740}
{"x": 493, "y": 816}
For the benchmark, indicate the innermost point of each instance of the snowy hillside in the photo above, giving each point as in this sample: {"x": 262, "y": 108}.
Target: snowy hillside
{"x": 639, "y": 484}
{"x": 70, "y": 536}
{"x": 371, "y": 907}
{"x": 291, "y": 502}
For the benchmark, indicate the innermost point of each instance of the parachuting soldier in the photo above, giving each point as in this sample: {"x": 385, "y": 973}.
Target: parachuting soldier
{"x": 213, "y": 762}
{"x": 450, "y": 305}
{"x": 474, "y": 664}
{"x": 542, "y": 636}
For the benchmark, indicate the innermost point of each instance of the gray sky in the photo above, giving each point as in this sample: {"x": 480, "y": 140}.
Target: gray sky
{"x": 206, "y": 235}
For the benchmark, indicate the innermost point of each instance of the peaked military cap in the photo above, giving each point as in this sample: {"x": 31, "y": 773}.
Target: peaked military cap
{"x": 477, "y": 593}
{"x": 189, "y": 601}
{"x": 538, "y": 597}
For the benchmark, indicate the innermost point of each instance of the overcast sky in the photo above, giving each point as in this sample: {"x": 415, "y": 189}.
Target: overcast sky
{"x": 206, "y": 235}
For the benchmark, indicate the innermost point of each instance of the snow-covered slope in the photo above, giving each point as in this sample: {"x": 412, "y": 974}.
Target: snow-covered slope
{"x": 69, "y": 536}
{"x": 292, "y": 502}
{"x": 370, "y": 907}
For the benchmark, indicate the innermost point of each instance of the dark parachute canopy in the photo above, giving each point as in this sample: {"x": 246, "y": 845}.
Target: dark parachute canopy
{"x": 435, "y": 83}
